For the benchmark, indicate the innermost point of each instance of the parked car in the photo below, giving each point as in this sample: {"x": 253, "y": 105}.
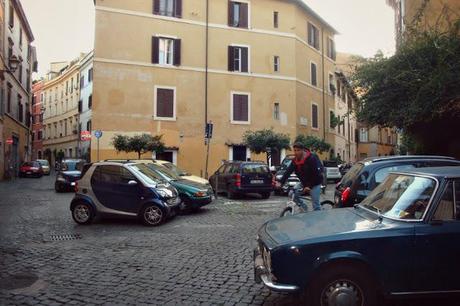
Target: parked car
{"x": 31, "y": 169}
{"x": 69, "y": 173}
{"x": 123, "y": 189}
{"x": 182, "y": 173}
{"x": 241, "y": 177}
{"x": 193, "y": 195}
{"x": 343, "y": 168}
{"x": 402, "y": 240}
{"x": 45, "y": 166}
{"x": 365, "y": 175}
{"x": 331, "y": 168}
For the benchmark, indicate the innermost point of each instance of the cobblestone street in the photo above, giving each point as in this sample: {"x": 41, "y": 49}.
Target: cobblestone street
{"x": 199, "y": 258}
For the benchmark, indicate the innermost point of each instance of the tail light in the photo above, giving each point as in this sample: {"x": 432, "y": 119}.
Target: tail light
{"x": 76, "y": 186}
{"x": 238, "y": 180}
{"x": 346, "y": 195}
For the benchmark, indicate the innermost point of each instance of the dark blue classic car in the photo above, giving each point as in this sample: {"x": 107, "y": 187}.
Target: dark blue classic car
{"x": 402, "y": 240}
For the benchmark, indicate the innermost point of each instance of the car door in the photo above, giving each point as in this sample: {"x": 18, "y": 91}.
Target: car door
{"x": 214, "y": 179}
{"x": 110, "y": 184}
{"x": 224, "y": 176}
{"x": 437, "y": 244}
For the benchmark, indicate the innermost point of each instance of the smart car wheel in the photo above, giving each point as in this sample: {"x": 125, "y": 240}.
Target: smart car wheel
{"x": 152, "y": 215}
{"x": 82, "y": 213}
{"x": 286, "y": 212}
{"x": 342, "y": 285}
{"x": 326, "y": 205}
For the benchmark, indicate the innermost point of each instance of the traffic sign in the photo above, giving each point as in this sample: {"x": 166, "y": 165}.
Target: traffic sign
{"x": 98, "y": 133}
{"x": 85, "y": 136}
{"x": 9, "y": 141}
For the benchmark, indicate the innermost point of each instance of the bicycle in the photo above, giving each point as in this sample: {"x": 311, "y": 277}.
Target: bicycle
{"x": 293, "y": 208}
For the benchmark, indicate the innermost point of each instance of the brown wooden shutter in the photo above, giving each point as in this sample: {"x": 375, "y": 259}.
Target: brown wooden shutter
{"x": 243, "y": 15}
{"x": 231, "y": 58}
{"x": 155, "y": 50}
{"x": 240, "y": 108}
{"x": 244, "y": 108}
{"x": 156, "y": 7}
{"x": 309, "y": 36}
{"x": 178, "y": 9}
{"x": 230, "y": 13}
{"x": 165, "y": 103}
{"x": 177, "y": 52}
{"x": 244, "y": 59}
{"x": 316, "y": 38}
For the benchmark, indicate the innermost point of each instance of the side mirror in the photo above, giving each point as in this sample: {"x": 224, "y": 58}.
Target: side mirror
{"x": 132, "y": 183}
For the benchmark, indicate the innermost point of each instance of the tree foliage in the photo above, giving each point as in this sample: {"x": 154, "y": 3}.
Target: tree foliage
{"x": 313, "y": 143}
{"x": 265, "y": 141}
{"x": 140, "y": 144}
{"x": 417, "y": 89}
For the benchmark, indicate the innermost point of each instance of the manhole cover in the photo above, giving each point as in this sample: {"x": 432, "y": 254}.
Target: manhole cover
{"x": 65, "y": 237}
{"x": 17, "y": 281}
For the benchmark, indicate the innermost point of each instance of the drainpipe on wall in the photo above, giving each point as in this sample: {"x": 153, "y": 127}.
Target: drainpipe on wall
{"x": 206, "y": 86}
{"x": 324, "y": 94}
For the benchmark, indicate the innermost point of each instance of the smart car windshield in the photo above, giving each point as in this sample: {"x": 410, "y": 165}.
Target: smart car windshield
{"x": 164, "y": 172}
{"x": 150, "y": 176}
{"x": 401, "y": 197}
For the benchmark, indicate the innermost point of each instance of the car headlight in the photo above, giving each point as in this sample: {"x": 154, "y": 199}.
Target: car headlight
{"x": 200, "y": 194}
{"x": 165, "y": 193}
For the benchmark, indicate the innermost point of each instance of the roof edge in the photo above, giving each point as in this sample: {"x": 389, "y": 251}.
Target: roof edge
{"x": 309, "y": 10}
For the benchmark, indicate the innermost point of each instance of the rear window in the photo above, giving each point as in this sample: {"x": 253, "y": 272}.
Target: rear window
{"x": 352, "y": 174}
{"x": 28, "y": 164}
{"x": 330, "y": 164}
{"x": 255, "y": 168}
{"x": 44, "y": 162}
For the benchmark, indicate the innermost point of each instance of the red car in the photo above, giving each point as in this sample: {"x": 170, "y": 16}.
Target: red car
{"x": 31, "y": 169}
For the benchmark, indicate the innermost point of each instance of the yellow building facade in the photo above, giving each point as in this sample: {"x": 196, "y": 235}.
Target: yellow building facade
{"x": 161, "y": 68}
{"x": 60, "y": 105}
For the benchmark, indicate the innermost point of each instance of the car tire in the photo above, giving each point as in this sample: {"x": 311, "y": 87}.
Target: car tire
{"x": 286, "y": 212}
{"x": 82, "y": 213}
{"x": 152, "y": 215}
{"x": 265, "y": 195}
{"x": 327, "y": 205}
{"x": 351, "y": 281}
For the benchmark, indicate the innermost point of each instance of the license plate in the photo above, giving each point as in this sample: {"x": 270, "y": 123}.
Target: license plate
{"x": 257, "y": 181}
{"x": 29, "y": 172}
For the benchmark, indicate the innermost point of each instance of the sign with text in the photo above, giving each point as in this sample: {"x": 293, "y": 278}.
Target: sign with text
{"x": 85, "y": 136}
{"x": 9, "y": 141}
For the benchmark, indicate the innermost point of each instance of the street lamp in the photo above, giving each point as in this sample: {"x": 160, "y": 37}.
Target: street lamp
{"x": 13, "y": 64}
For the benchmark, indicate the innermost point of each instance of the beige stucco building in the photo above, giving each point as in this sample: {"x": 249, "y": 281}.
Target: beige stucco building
{"x": 15, "y": 87}
{"x": 60, "y": 102}
{"x": 160, "y": 67}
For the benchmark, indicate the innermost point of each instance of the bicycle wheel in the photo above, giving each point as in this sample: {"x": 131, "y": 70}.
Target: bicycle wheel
{"x": 326, "y": 205}
{"x": 286, "y": 212}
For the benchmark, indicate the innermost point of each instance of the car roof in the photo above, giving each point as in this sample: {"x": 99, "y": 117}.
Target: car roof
{"x": 439, "y": 172}
{"x": 404, "y": 157}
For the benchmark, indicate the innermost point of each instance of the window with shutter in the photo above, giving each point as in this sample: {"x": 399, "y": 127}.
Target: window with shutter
{"x": 238, "y": 59}
{"x": 238, "y": 14}
{"x": 155, "y": 49}
{"x": 166, "y": 51}
{"x": 313, "y": 74}
{"x": 177, "y": 52}
{"x": 313, "y": 36}
{"x": 90, "y": 101}
{"x": 314, "y": 116}
{"x": 240, "y": 108}
{"x": 165, "y": 104}
{"x": 275, "y": 19}
{"x": 276, "y": 63}
{"x": 331, "y": 49}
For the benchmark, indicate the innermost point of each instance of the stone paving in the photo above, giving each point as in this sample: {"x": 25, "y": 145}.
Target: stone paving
{"x": 202, "y": 258}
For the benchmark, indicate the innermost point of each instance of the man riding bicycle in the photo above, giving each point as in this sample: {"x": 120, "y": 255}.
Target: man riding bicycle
{"x": 306, "y": 166}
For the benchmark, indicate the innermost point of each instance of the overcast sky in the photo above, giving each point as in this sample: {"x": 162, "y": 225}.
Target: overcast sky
{"x": 64, "y": 28}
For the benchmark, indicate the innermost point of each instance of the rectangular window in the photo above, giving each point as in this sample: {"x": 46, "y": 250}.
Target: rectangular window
{"x": 20, "y": 73}
{"x": 238, "y": 59}
{"x": 276, "y": 63}
{"x": 171, "y": 8}
{"x": 166, "y": 51}
{"x": 90, "y": 75}
{"x": 240, "y": 108}
{"x": 313, "y": 74}
{"x": 20, "y": 109}
{"x": 363, "y": 135}
{"x": 10, "y": 48}
{"x": 20, "y": 37}
{"x": 276, "y": 111}
{"x": 331, "y": 118}
{"x": 165, "y": 104}
{"x": 82, "y": 81}
{"x": 331, "y": 49}
{"x": 8, "y": 98}
{"x": 88, "y": 125}
{"x": 71, "y": 85}
{"x": 90, "y": 101}
{"x": 80, "y": 106}
{"x": 313, "y": 36}
{"x": 314, "y": 116}
{"x": 11, "y": 15}
{"x": 67, "y": 87}
{"x": 331, "y": 84}
{"x": 238, "y": 14}
{"x": 275, "y": 20}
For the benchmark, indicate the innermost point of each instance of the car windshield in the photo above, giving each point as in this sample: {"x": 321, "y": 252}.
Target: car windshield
{"x": 401, "y": 196}
{"x": 255, "y": 168}
{"x": 150, "y": 176}
{"x": 43, "y": 162}
{"x": 164, "y": 172}
{"x": 330, "y": 164}
{"x": 29, "y": 164}
{"x": 72, "y": 165}
{"x": 352, "y": 173}
{"x": 173, "y": 168}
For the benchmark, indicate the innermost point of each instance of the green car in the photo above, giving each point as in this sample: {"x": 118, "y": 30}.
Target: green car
{"x": 194, "y": 195}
